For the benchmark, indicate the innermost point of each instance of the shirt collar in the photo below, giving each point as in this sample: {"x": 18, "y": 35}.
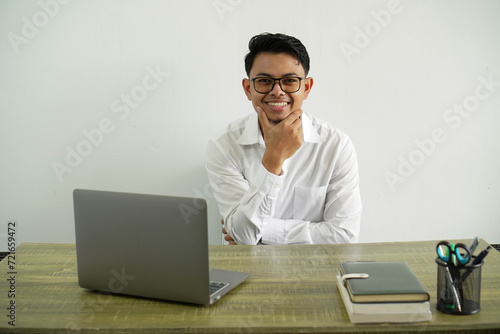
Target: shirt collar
{"x": 252, "y": 135}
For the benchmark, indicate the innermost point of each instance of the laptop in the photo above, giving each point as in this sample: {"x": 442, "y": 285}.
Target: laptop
{"x": 148, "y": 246}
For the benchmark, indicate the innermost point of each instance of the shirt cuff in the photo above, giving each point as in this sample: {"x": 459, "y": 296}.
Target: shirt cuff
{"x": 273, "y": 232}
{"x": 268, "y": 183}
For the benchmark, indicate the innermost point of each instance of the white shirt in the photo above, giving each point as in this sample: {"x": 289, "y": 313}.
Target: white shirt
{"x": 316, "y": 199}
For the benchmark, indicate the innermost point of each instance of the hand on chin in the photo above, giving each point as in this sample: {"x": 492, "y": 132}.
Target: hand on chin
{"x": 276, "y": 117}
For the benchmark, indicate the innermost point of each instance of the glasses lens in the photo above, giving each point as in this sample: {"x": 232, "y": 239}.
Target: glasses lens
{"x": 265, "y": 85}
{"x": 290, "y": 85}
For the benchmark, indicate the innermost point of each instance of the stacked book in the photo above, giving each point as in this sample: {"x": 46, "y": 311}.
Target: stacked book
{"x": 376, "y": 292}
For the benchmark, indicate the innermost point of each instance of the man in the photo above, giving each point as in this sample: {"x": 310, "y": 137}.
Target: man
{"x": 280, "y": 175}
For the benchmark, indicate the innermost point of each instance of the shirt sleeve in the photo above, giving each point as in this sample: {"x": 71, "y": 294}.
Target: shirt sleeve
{"x": 242, "y": 205}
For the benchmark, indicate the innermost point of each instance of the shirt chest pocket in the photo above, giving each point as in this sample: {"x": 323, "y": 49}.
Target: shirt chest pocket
{"x": 309, "y": 203}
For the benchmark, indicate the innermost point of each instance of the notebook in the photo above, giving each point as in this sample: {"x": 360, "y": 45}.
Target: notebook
{"x": 387, "y": 282}
{"x": 383, "y": 312}
{"x": 148, "y": 246}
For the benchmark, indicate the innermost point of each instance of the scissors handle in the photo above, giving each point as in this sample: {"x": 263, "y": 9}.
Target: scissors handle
{"x": 453, "y": 254}
{"x": 462, "y": 253}
{"x": 443, "y": 250}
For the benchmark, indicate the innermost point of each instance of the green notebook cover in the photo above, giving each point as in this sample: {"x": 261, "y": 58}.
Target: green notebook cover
{"x": 387, "y": 282}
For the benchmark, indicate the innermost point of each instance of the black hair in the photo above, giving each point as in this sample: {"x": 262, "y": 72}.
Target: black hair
{"x": 276, "y": 43}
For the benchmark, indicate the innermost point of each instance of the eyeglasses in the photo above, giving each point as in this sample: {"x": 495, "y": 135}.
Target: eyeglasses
{"x": 264, "y": 85}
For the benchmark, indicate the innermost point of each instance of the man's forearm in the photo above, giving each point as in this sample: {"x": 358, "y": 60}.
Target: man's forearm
{"x": 243, "y": 203}
{"x": 272, "y": 163}
{"x": 294, "y": 231}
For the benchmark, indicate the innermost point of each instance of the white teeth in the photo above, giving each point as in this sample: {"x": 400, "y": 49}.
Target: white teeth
{"x": 277, "y": 104}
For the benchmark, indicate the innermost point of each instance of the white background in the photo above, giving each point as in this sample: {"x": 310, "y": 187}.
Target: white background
{"x": 65, "y": 67}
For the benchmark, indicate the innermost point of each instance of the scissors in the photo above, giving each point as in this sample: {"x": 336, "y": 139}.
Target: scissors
{"x": 453, "y": 254}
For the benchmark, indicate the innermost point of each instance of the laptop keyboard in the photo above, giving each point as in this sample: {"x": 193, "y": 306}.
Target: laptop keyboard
{"x": 216, "y": 286}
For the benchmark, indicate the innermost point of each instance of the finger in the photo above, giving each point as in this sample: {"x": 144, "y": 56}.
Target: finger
{"x": 227, "y": 237}
{"x": 263, "y": 120}
{"x": 224, "y": 231}
{"x": 296, "y": 115}
{"x": 293, "y": 118}
{"x": 297, "y": 123}
{"x": 222, "y": 221}
{"x": 233, "y": 243}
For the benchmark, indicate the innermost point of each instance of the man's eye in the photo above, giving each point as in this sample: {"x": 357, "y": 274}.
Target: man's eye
{"x": 290, "y": 81}
{"x": 264, "y": 81}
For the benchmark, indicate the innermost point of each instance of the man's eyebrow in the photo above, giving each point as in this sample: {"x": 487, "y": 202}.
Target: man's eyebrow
{"x": 284, "y": 75}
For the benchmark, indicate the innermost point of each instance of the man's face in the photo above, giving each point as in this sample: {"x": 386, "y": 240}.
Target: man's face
{"x": 277, "y": 104}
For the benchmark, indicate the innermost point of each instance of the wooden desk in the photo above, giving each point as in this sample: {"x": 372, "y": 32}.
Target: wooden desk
{"x": 291, "y": 289}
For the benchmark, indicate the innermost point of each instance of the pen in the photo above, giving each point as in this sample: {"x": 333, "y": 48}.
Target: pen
{"x": 481, "y": 256}
{"x": 453, "y": 288}
{"x": 476, "y": 261}
{"x": 473, "y": 245}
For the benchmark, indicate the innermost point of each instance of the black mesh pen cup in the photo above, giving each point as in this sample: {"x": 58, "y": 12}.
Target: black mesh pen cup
{"x": 458, "y": 288}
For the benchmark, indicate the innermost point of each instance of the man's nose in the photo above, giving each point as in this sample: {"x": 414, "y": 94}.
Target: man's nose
{"x": 277, "y": 91}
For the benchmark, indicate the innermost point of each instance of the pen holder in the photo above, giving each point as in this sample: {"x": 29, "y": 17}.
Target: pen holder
{"x": 458, "y": 288}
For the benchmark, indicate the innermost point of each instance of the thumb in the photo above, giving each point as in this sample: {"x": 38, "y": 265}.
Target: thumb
{"x": 264, "y": 122}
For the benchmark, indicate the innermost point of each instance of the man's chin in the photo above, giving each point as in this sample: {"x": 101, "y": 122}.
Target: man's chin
{"x": 275, "y": 121}
{"x": 275, "y": 118}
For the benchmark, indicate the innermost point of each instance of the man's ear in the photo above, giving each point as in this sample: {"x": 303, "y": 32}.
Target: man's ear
{"x": 246, "y": 87}
{"x": 308, "y": 83}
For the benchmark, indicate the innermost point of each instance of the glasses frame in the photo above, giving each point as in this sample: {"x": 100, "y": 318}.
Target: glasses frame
{"x": 279, "y": 83}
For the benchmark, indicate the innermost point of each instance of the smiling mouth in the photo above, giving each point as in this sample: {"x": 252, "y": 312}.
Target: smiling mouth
{"x": 277, "y": 104}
